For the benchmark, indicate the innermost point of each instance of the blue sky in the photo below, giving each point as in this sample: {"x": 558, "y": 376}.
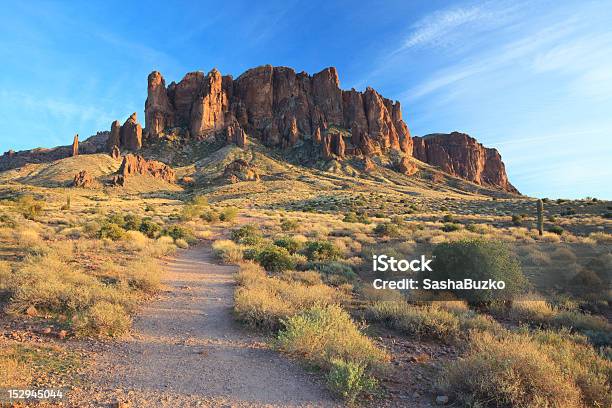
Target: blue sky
{"x": 532, "y": 78}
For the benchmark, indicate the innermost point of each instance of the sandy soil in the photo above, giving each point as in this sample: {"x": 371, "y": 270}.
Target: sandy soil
{"x": 187, "y": 351}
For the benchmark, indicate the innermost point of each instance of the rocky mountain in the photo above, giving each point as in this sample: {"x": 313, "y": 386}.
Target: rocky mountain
{"x": 285, "y": 110}
{"x": 462, "y": 156}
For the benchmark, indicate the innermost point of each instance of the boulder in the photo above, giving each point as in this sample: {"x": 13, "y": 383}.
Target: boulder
{"x": 135, "y": 164}
{"x": 240, "y": 170}
{"x": 83, "y": 179}
{"x": 406, "y": 166}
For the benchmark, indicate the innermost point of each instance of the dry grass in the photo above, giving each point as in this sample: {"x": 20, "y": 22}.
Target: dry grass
{"x": 264, "y": 301}
{"x": 508, "y": 372}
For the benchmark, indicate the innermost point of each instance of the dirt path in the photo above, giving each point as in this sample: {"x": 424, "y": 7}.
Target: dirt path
{"x": 187, "y": 351}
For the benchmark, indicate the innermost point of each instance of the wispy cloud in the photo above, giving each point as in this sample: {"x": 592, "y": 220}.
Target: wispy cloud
{"x": 435, "y": 28}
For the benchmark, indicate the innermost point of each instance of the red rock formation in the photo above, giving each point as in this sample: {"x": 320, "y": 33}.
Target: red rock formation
{"x": 116, "y": 153}
{"x": 114, "y": 139}
{"x": 134, "y": 164}
{"x": 131, "y": 133}
{"x": 278, "y": 106}
{"x": 75, "y": 146}
{"x": 236, "y": 135}
{"x": 461, "y": 155}
{"x": 240, "y": 170}
{"x": 159, "y": 114}
{"x": 83, "y": 179}
{"x": 406, "y": 166}
{"x": 368, "y": 165}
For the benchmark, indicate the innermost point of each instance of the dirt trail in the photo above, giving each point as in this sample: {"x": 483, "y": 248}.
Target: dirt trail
{"x": 187, "y": 351}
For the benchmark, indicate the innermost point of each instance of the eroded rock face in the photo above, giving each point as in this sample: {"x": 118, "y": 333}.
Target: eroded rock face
{"x": 83, "y": 179}
{"x": 75, "y": 146}
{"x": 279, "y": 107}
{"x": 236, "y": 135}
{"x": 135, "y": 164}
{"x": 240, "y": 170}
{"x": 406, "y": 166}
{"x": 131, "y": 133}
{"x": 461, "y": 155}
{"x": 116, "y": 153}
{"x": 114, "y": 139}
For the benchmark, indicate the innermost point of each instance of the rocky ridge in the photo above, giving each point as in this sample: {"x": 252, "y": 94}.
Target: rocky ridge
{"x": 462, "y": 156}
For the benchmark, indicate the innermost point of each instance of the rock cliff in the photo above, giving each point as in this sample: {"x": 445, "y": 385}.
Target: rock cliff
{"x": 461, "y": 155}
{"x": 279, "y": 107}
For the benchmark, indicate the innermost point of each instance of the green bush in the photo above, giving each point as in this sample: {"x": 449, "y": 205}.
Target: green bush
{"x": 150, "y": 229}
{"x": 448, "y": 218}
{"x": 289, "y": 225}
{"x": 132, "y": 222}
{"x": 178, "y": 232}
{"x": 350, "y": 380}
{"x": 555, "y": 229}
{"x": 322, "y": 251}
{"x": 356, "y": 217}
{"x": 478, "y": 260}
{"x": 517, "y": 220}
{"x": 290, "y": 244}
{"x": 210, "y": 215}
{"x": 228, "y": 214}
{"x": 386, "y": 229}
{"x": 335, "y": 268}
{"x": 450, "y": 227}
{"x": 275, "y": 259}
{"x": 247, "y": 235}
{"x": 111, "y": 231}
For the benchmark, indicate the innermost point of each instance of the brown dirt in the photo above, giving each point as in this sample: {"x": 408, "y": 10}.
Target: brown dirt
{"x": 187, "y": 351}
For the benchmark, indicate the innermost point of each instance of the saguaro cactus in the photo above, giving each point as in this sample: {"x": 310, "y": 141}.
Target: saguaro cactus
{"x": 540, "y": 217}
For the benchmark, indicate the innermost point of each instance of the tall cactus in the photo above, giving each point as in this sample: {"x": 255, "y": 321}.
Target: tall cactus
{"x": 540, "y": 217}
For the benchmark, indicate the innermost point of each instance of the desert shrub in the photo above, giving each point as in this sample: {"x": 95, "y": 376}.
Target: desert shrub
{"x": 517, "y": 220}
{"x": 135, "y": 240}
{"x": 104, "y": 318}
{"x": 308, "y": 278}
{"x": 354, "y": 217}
{"x": 290, "y": 244}
{"x": 289, "y": 224}
{"x": 179, "y": 232}
{"x": 477, "y": 260}
{"x": 194, "y": 208}
{"x": 144, "y": 275}
{"x": 29, "y": 207}
{"x": 350, "y": 380}
{"x": 322, "y": 335}
{"x": 335, "y": 268}
{"x": 247, "y": 235}
{"x": 150, "y": 228}
{"x": 181, "y": 243}
{"x": 448, "y": 218}
{"x": 321, "y": 251}
{"x": 564, "y": 254}
{"x": 228, "y": 214}
{"x": 132, "y": 222}
{"x": 210, "y": 215}
{"x": 386, "y": 229}
{"x": 275, "y": 259}
{"x": 228, "y": 251}
{"x": 507, "y": 372}
{"x": 582, "y": 364}
{"x": 531, "y": 309}
{"x": 555, "y": 229}
{"x": 450, "y": 227}
{"x": 415, "y": 321}
{"x": 262, "y": 301}
{"x": 111, "y": 231}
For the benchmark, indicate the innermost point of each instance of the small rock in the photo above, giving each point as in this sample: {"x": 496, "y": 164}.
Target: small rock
{"x": 119, "y": 404}
{"x": 46, "y": 330}
{"x": 62, "y": 334}
{"x": 31, "y": 311}
{"x": 442, "y": 399}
